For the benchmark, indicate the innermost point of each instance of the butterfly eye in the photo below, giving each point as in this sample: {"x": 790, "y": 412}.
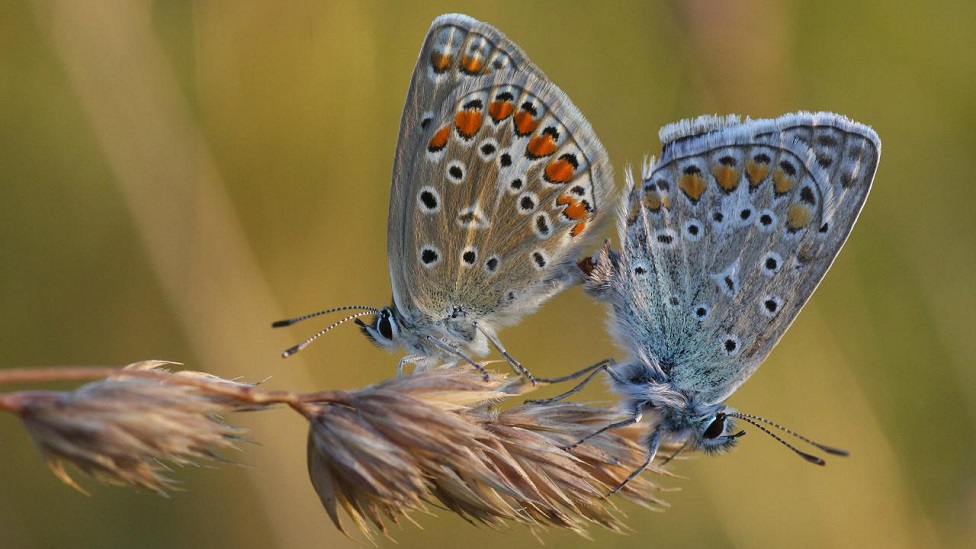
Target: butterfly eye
{"x": 716, "y": 427}
{"x": 385, "y": 326}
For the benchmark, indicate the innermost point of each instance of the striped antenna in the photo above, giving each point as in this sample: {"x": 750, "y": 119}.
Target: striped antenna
{"x": 292, "y": 350}
{"x": 755, "y": 420}
{"x": 290, "y": 321}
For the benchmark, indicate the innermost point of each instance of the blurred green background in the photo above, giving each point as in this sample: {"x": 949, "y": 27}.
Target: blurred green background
{"x": 177, "y": 174}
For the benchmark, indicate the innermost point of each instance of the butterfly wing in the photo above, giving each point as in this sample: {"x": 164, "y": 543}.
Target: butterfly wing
{"x": 729, "y": 234}
{"x": 511, "y": 182}
{"x": 498, "y": 183}
{"x": 457, "y": 49}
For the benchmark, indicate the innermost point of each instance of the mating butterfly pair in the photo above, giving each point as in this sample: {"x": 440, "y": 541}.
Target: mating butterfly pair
{"x": 500, "y": 185}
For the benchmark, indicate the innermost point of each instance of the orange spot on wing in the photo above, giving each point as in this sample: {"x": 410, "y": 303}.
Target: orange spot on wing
{"x": 441, "y": 62}
{"x": 782, "y": 182}
{"x": 693, "y": 185}
{"x": 654, "y": 201}
{"x": 577, "y": 228}
{"x": 727, "y": 177}
{"x": 471, "y": 64}
{"x": 540, "y": 146}
{"x": 500, "y": 110}
{"x": 756, "y": 173}
{"x": 575, "y": 209}
{"x": 632, "y": 213}
{"x": 468, "y": 123}
{"x": 525, "y": 123}
{"x": 439, "y": 141}
{"x": 797, "y": 217}
{"x": 560, "y": 170}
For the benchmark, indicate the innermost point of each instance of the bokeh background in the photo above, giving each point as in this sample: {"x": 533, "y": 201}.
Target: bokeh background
{"x": 174, "y": 175}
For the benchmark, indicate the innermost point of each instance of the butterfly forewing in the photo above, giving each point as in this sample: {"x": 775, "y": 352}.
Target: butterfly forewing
{"x": 728, "y": 235}
{"x": 457, "y": 49}
{"x": 509, "y": 184}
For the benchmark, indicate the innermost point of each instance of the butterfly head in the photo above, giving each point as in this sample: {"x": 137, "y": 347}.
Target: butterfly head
{"x": 385, "y": 329}
{"x": 707, "y": 428}
{"x": 715, "y": 433}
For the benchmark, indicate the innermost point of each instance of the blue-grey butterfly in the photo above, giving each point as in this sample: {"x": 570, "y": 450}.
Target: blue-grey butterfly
{"x": 723, "y": 241}
{"x": 498, "y": 183}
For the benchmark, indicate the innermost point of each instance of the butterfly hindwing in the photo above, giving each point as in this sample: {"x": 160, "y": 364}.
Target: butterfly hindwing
{"x": 727, "y": 236}
{"x": 508, "y": 184}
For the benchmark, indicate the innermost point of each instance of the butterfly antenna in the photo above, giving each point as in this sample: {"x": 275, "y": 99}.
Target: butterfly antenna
{"x": 292, "y": 350}
{"x": 290, "y": 321}
{"x": 824, "y": 447}
{"x": 809, "y": 457}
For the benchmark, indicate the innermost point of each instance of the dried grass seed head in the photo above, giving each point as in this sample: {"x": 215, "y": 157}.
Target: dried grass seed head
{"x": 386, "y": 450}
{"x": 123, "y": 429}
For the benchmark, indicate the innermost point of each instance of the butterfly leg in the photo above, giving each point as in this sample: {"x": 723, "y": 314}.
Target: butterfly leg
{"x": 409, "y": 359}
{"x": 516, "y": 365}
{"x": 607, "y": 362}
{"x": 605, "y": 365}
{"x": 675, "y": 454}
{"x": 451, "y": 350}
{"x": 653, "y": 443}
{"x": 616, "y": 425}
